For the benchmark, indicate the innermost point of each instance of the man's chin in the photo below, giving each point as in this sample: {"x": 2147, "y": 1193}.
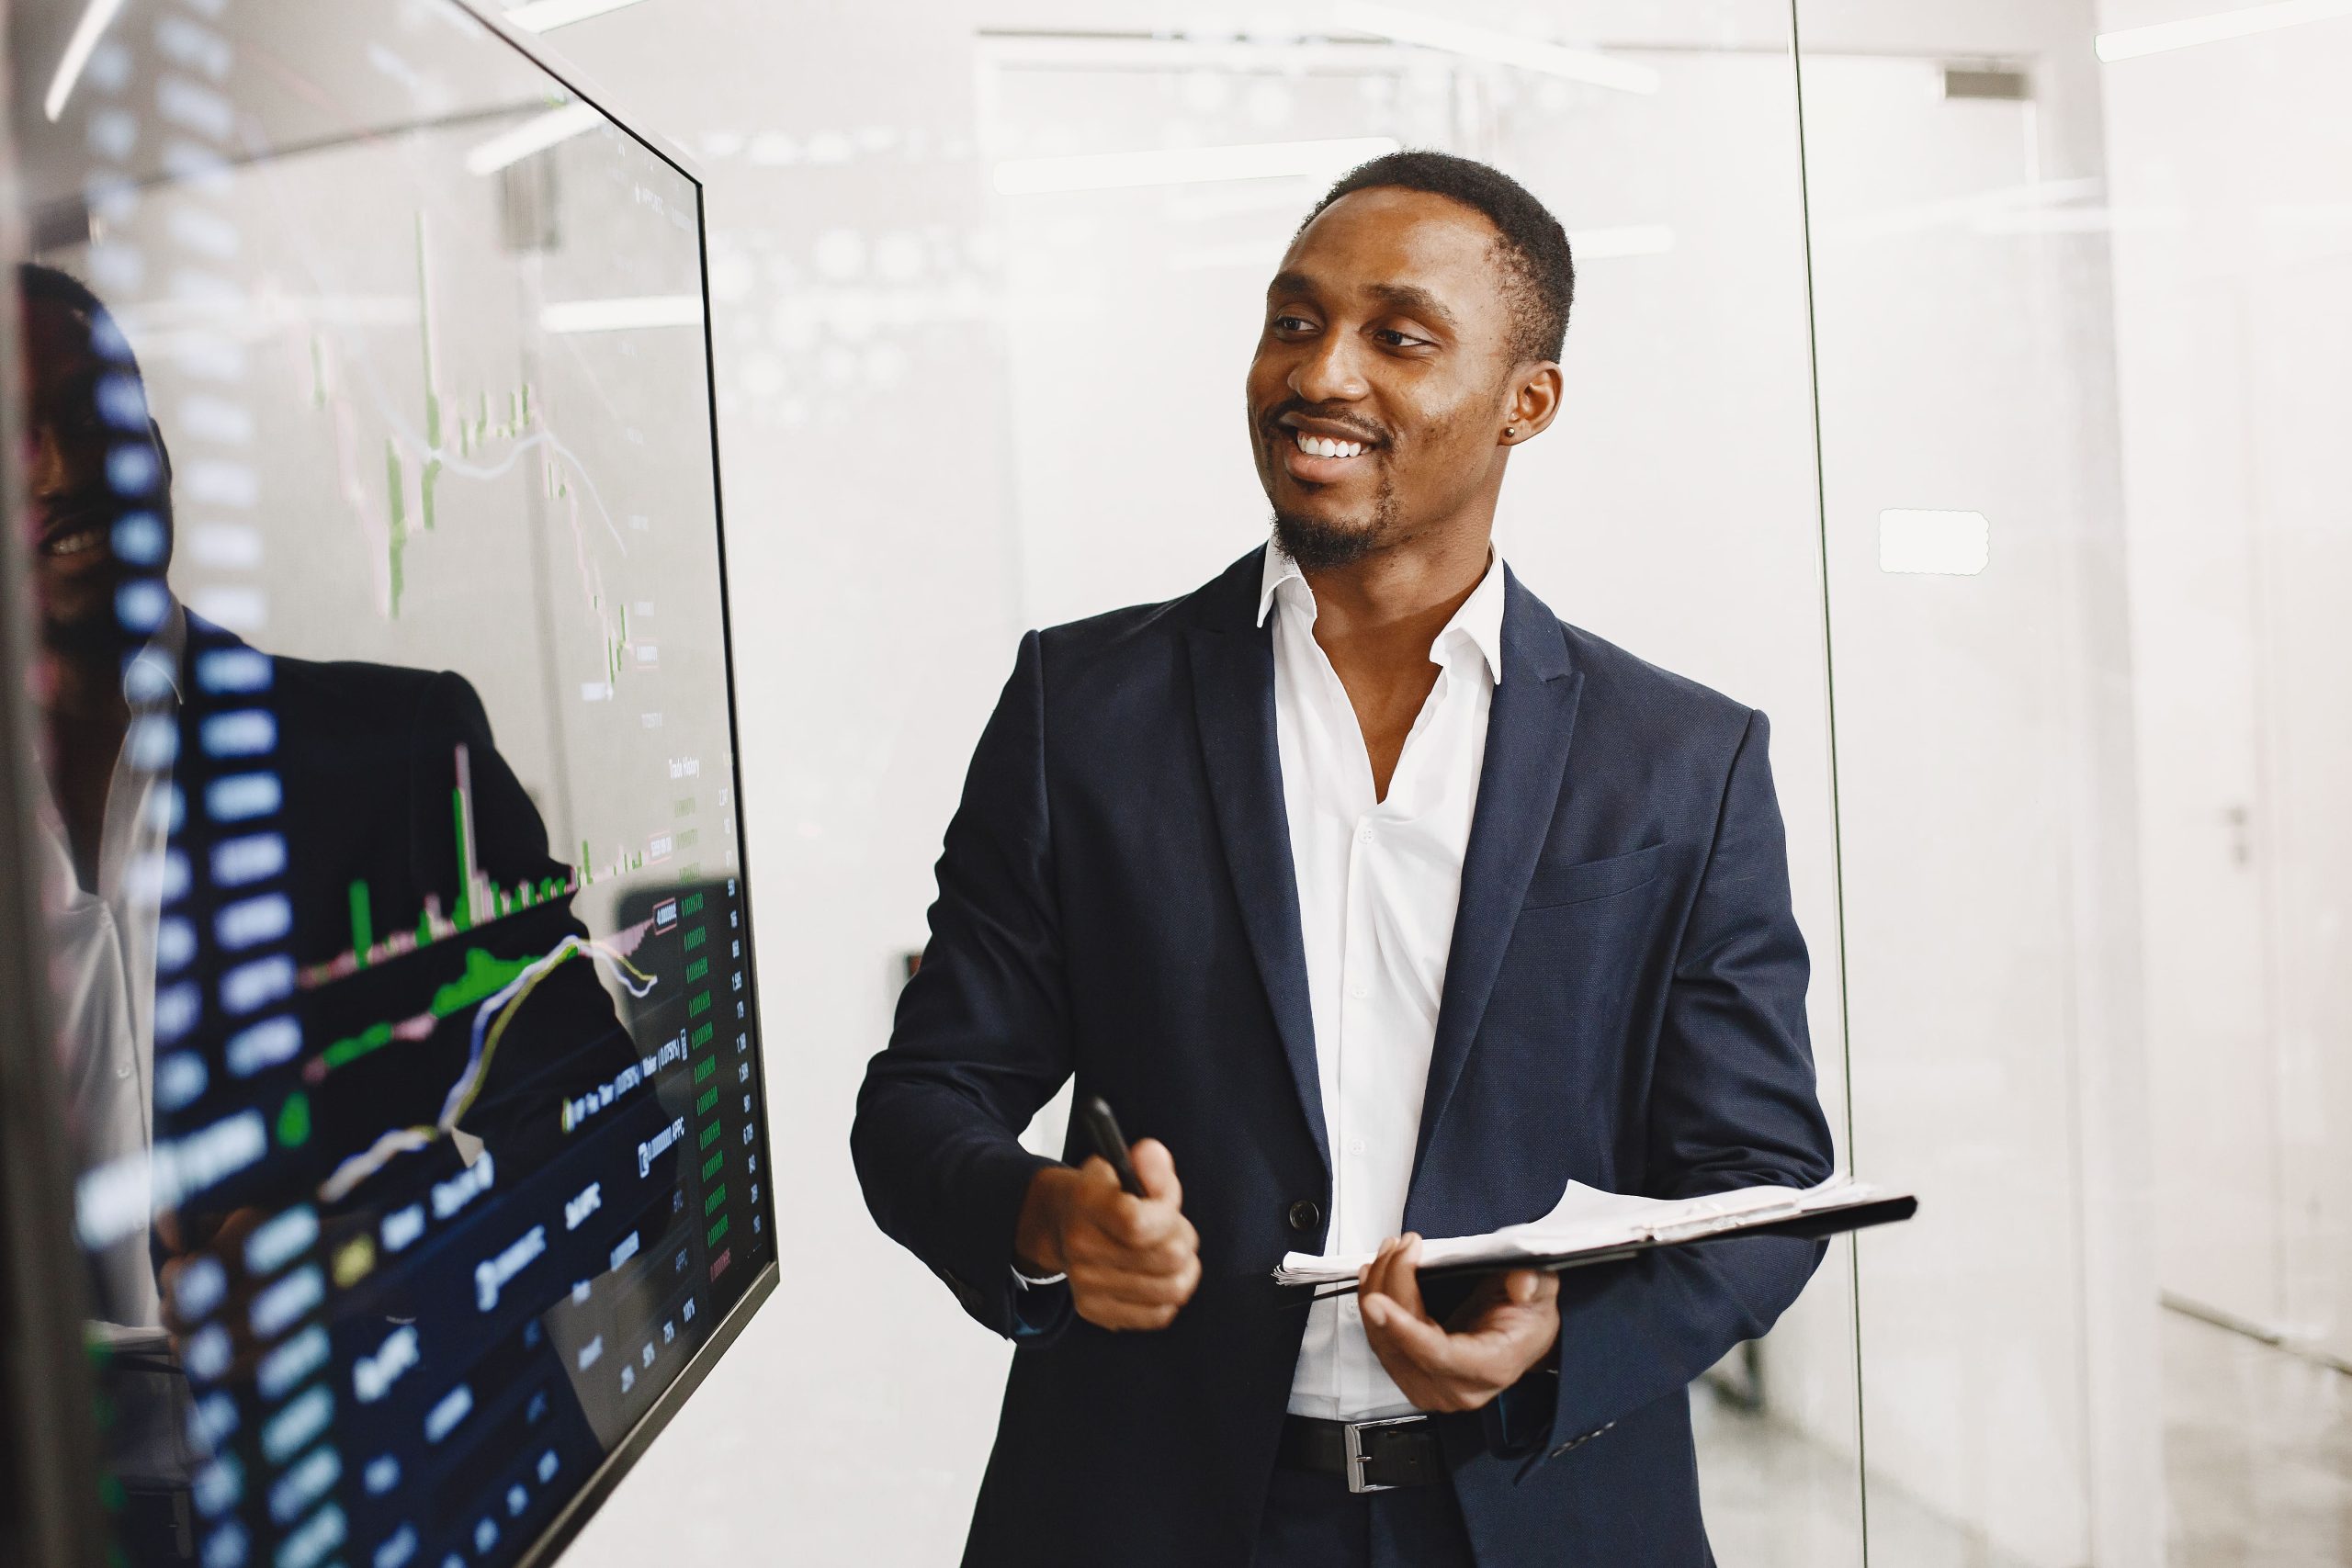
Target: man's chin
{"x": 1321, "y": 544}
{"x": 85, "y": 634}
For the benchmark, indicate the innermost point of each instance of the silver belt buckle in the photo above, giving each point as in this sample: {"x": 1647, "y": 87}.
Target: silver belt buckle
{"x": 1354, "y": 1436}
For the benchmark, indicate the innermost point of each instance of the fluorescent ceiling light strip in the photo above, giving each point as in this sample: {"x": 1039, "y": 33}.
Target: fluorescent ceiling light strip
{"x": 76, "y": 58}
{"x": 533, "y": 135}
{"x": 539, "y": 16}
{"x": 1487, "y": 43}
{"x": 622, "y": 314}
{"x": 1186, "y": 166}
{"x": 2130, "y": 43}
{"x": 1962, "y": 208}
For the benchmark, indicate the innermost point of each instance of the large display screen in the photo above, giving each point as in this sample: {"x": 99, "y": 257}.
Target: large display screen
{"x": 392, "y": 882}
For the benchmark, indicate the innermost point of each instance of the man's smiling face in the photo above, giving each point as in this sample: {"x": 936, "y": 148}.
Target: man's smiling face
{"x": 93, "y": 463}
{"x": 1382, "y": 379}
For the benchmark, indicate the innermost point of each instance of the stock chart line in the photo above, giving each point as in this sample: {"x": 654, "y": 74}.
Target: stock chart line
{"x": 492, "y": 1016}
{"x": 451, "y": 431}
{"x": 528, "y": 424}
{"x": 451, "y": 442}
{"x": 485, "y": 974}
{"x": 489, "y": 1030}
{"x": 615, "y": 638}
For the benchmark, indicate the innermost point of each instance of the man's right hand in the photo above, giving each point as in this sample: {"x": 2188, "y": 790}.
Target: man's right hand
{"x": 1132, "y": 1262}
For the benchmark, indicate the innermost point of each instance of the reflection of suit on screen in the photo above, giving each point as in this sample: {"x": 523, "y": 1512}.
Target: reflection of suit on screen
{"x": 362, "y": 757}
{"x": 366, "y": 756}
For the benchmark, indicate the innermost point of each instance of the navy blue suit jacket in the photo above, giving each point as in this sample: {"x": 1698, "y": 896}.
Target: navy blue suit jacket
{"x": 1623, "y": 1006}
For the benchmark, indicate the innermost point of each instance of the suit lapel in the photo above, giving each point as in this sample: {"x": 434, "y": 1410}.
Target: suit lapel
{"x": 1518, "y": 788}
{"x": 1233, "y": 701}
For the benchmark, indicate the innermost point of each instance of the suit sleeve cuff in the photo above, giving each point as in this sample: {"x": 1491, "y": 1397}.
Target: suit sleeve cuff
{"x": 1041, "y": 1308}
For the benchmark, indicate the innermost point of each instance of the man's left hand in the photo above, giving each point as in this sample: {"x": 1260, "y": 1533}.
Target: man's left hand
{"x": 1510, "y": 1325}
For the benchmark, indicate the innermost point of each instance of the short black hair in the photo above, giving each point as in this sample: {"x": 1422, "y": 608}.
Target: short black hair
{"x": 1540, "y": 274}
{"x": 38, "y": 281}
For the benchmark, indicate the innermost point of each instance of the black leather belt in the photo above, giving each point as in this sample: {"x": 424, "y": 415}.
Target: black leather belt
{"x": 1372, "y": 1456}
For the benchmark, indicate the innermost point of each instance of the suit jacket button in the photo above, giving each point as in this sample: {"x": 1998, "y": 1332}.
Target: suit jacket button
{"x": 1304, "y": 1216}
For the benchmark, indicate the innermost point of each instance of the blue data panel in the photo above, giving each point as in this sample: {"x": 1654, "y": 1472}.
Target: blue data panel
{"x": 394, "y": 891}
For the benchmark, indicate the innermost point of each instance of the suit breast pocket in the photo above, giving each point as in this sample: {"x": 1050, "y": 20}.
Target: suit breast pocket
{"x": 1555, "y": 886}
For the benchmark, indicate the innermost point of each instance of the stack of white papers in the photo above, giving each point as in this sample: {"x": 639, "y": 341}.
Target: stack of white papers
{"x": 1586, "y": 1219}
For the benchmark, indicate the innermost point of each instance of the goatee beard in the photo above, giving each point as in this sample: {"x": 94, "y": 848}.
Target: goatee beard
{"x": 1319, "y": 546}
{"x": 91, "y": 640}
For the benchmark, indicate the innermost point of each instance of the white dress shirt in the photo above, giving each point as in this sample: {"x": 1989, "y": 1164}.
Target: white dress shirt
{"x": 103, "y": 953}
{"x": 104, "y": 946}
{"x": 1378, "y": 884}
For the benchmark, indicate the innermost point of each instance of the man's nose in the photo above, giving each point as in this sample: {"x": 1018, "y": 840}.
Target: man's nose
{"x": 44, "y": 461}
{"x": 1329, "y": 371}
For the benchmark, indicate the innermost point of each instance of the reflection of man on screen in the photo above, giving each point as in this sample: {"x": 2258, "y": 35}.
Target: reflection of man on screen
{"x": 106, "y": 823}
{"x": 164, "y": 888}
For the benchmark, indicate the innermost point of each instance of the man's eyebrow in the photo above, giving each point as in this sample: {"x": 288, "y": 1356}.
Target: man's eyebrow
{"x": 1409, "y": 298}
{"x": 1415, "y": 300}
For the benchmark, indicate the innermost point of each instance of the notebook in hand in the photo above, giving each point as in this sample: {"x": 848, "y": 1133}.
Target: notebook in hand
{"x": 1591, "y": 1227}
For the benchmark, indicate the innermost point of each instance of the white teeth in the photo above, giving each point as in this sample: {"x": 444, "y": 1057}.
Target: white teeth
{"x": 75, "y": 543}
{"x": 1325, "y": 447}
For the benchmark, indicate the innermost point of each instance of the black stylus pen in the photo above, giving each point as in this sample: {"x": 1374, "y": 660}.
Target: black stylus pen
{"x": 1102, "y": 1131}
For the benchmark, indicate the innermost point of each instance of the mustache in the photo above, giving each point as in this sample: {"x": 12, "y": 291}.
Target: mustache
{"x": 1270, "y": 422}
{"x": 59, "y": 515}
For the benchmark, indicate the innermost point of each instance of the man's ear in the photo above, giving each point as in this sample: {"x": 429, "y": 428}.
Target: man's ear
{"x": 155, "y": 434}
{"x": 1534, "y": 402}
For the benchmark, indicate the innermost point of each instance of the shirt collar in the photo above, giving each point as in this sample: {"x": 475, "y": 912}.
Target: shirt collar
{"x": 1280, "y": 569}
{"x": 1479, "y": 621}
{"x": 152, "y": 675}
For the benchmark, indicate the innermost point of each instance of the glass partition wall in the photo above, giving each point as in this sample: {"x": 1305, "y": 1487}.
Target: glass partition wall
{"x": 2002, "y": 400}
{"x": 2082, "y": 348}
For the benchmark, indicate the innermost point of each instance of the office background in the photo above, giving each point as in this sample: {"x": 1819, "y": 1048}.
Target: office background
{"x": 1962, "y": 382}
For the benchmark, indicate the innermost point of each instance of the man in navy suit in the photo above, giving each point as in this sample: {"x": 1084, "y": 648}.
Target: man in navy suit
{"x": 1383, "y": 904}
